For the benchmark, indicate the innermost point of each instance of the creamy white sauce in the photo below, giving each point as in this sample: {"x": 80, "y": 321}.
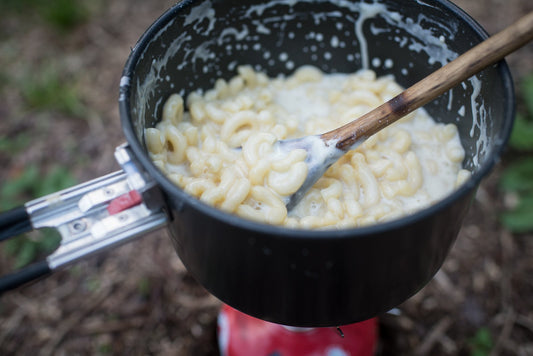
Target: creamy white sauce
{"x": 309, "y": 101}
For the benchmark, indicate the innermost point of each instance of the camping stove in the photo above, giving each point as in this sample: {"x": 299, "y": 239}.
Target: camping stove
{"x": 242, "y": 335}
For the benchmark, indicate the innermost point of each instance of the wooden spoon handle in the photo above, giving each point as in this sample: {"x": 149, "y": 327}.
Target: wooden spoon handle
{"x": 463, "y": 67}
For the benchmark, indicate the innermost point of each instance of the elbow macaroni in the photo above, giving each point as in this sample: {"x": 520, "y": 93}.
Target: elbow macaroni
{"x": 222, "y": 150}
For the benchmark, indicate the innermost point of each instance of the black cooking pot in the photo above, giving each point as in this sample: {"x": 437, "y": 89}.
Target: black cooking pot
{"x": 290, "y": 276}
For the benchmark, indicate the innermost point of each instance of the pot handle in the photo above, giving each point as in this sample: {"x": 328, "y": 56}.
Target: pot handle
{"x": 14, "y": 222}
{"x": 23, "y": 276}
{"x": 91, "y": 217}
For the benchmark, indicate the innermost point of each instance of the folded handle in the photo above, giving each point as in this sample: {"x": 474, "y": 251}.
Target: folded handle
{"x": 23, "y": 276}
{"x": 14, "y": 222}
{"x": 90, "y": 217}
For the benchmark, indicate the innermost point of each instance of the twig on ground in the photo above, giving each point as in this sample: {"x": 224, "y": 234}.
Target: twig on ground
{"x": 193, "y": 303}
{"x": 11, "y": 324}
{"x": 74, "y": 319}
{"x": 434, "y": 336}
{"x": 503, "y": 337}
{"x": 525, "y": 322}
{"x": 104, "y": 327}
{"x": 445, "y": 284}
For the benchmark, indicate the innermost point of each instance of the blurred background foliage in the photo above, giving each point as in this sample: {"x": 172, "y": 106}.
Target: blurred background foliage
{"x": 517, "y": 178}
{"x": 62, "y": 15}
{"x": 57, "y": 124}
{"x": 40, "y": 88}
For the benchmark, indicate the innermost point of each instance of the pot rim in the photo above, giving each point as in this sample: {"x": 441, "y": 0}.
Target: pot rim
{"x": 355, "y": 232}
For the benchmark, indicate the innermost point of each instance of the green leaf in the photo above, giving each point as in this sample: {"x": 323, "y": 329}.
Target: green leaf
{"x": 518, "y": 176}
{"x": 24, "y": 250}
{"x": 527, "y": 92}
{"x": 65, "y": 14}
{"x": 481, "y": 343}
{"x": 49, "y": 240}
{"x": 14, "y": 192}
{"x": 49, "y": 89}
{"x": 13, "y": 145}
{"x": 144, "y": 287}
{"x": 522, "y": 134}
{"x": 93, "y": 284}
{"x": 105, "y": 348}
{"x": 58, "y": 178}
{"x": 520, "y": 219}
{"x": 11, "y": 247}
{"x": 27, "y": 254}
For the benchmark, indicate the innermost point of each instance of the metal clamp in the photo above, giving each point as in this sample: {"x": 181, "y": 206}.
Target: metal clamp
{"x": 101, "y": 213}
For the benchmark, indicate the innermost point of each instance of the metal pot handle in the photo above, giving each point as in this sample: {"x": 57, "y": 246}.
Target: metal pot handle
{"x": 90, "y": 217}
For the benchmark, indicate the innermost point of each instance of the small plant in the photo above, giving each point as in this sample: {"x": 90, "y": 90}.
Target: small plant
{"x": 48, "y": 90}
{"x": 62, "y": 15}
{"x": 30, "y": 183}
{"x": 521, "y": 138}
{"x": 65, "y": 15}
{"x": 517, "y": 178}
{"x": 481, "y": 343}
{"x": 105, "y": 348}
{"x": 13, "y": 145}
{"x": 143, "y": 287}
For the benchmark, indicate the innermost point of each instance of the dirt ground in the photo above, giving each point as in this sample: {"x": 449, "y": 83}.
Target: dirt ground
{"x": 138, "y": 299}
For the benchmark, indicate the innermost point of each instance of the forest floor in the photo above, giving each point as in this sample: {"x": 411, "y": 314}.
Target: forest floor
{"x": 139, "y": 299}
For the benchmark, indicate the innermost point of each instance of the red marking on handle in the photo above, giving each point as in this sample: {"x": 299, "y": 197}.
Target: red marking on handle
{"x": 125, "y": 201}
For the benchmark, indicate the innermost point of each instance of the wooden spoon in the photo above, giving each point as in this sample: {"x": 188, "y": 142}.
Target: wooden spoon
{"x": 325, "y": 149}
